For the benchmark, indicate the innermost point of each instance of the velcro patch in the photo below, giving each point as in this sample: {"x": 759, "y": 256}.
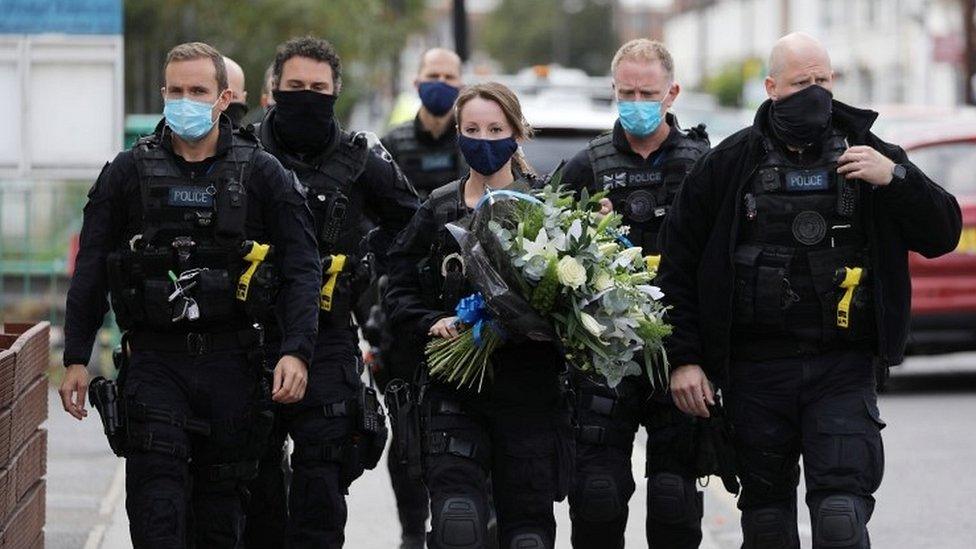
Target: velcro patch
{"x": 435, "y": 162}
{"x": 191, "y": 197}
{"x": 807, "y": 180}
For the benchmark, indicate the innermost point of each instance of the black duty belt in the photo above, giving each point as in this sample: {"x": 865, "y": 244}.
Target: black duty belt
{"x": 195, "y": 343}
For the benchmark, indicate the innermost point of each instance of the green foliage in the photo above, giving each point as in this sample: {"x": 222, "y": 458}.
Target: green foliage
{"x": 367, "y": 34}
{"x": 520, "y": 33}
{"x": 727, "y": 85}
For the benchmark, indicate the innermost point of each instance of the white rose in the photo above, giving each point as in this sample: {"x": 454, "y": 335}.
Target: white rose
{"x": 591, "y": 325}
{"x": 602, "y": 281}
{"x": 570, "y": 272}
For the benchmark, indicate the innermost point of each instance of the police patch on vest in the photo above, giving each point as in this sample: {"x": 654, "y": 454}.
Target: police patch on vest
{"x": 807, "y": 180}
{"x": 436, "y": 162}
{"x": 809, "y": 228}
{"x": 640, "y": 206}
{"x": 191, "y": 197}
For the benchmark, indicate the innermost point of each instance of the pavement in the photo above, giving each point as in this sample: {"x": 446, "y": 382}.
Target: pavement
{"x": 924, "y": 502}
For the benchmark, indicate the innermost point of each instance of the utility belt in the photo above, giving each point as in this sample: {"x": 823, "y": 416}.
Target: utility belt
{"x": 822, "y": 298}
{"x": 127, "y": 424}
{"x": 197, "y": 343}
{"x": 345, "y": 278}
{"x": 363, "y": 448}
{"x": 161, "y": 287}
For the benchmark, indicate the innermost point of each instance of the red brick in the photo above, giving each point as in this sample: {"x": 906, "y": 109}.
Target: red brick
{"x": 30, "y": 463}
{"x": 25, "y": 524}
{"x": 29, "y": 411}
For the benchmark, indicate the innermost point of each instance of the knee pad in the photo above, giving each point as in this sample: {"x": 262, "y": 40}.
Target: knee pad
{"x": 527, "y": 541}
{"x": 459, "y": 525}
{"x": 672, "y": 499}
{"x": 839, "y": 522}
{"x": 597, "y": 498}
{"x": 769, "y": 528}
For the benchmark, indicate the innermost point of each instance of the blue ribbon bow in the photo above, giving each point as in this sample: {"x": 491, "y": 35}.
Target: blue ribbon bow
{"x": 490, "y": 195}
{"x": 472, "y": 311}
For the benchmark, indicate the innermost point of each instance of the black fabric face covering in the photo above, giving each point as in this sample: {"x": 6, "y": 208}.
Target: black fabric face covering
{"x": 802, "y": 118}
{"x": 304, "y": 120}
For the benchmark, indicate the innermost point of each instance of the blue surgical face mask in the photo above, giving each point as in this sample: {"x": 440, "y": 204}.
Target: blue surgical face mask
{"x": 189, "y": 119}
{"x": 487, "y": 156}
{"x": 640, "y": 118}
{"x": 437, "y": 97}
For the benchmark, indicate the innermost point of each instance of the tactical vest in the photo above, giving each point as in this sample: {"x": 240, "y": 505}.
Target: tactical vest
{"x": 339, "y": 224}
{"x": 180, "y": 268}
{"x": 800, "y": 258}
{"x": 442, "y": 271}
{"x": 426, "y": 166}
{"x": 643, "y": 193}
{"x": 329, "y": 190}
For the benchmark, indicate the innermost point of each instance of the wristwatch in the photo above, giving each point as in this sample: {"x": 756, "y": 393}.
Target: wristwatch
{"x": 898, "y": 171}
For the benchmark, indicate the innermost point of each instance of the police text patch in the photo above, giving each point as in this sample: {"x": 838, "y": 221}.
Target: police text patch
{"x": 190, "y": 197}
{"x": 436, "y": 162}
{"x": 807, "y": 180}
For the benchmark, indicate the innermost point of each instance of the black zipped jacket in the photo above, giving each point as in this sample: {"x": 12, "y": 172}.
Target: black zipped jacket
{"x": 699, "y": 236}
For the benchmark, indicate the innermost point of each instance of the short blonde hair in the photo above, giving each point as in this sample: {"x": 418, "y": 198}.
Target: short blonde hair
{"x": 642, "y": 49}
{"x": 199, "y": 50}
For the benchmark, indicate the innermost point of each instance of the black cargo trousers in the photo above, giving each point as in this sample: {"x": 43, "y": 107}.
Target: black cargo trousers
{"x": 825, "y": 408}
{"x": 606, "y": 423}
{"x": 309, "y": 508}
{"x": 196, "y": 428}
{"x": 477, "y": 454}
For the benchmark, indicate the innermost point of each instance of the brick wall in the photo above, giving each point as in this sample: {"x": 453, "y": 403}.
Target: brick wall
{"x": 23, "y": 444}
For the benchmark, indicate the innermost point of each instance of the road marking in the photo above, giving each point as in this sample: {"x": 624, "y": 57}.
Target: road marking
{"x": 107, "y": 506}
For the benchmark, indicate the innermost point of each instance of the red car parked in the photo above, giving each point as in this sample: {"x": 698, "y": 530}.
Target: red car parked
{"x": 944, "y": 289}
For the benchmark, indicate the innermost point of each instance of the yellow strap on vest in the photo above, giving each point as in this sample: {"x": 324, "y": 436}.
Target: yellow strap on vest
{"x": 852, "y": 278}
{"x": 336, "y": 265}
{"x": 254, "y": 256}
{"x": 652, "y": 262}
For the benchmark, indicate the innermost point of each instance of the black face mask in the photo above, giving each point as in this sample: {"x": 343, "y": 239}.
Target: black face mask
{"x": 802, "y": 118}
{"x": 304, "y": 120}
{"x": 236, "y": 112}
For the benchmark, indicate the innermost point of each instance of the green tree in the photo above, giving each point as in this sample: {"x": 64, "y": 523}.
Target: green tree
{"x": 367, "y": 34}
{"x": 573, "y": 33}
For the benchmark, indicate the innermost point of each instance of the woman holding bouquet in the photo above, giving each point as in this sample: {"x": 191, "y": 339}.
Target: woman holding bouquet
{"x": 510, "y": 435}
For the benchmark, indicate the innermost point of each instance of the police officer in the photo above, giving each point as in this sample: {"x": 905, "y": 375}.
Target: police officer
{"x": 164, "y": 232}
{"x": 348, "y": 184}
{"x": 426, "y": 150}
{"x": 426, "y": 147}
{"x": 785, "y": 262}
{"x": 641, "y": 164}
{"x": 237, "y": 109}
{"x": 511, "y": 436}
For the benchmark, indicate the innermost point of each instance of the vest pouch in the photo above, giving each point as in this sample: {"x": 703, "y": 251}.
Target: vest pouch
{"x": 231, "y": 210}
{"x": 772, "y": 286}
{"x": 826, "y": 268}
{"x": 746, "y": 259}
{"x": 155, "y": 300}
{"x": 126, "y": 299}
{"x": 215, "y": 295}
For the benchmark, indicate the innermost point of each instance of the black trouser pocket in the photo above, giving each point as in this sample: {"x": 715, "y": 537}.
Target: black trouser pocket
{"x": 853, "y": 454}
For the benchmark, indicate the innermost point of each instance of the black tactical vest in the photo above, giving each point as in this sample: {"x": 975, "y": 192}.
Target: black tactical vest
{"x": 328, "y": 180}
{"x": 427, "y": 166}
{"x": 442, "y": 271}
{"x": 801, "y": 228}
{"x": 191, "y": 228}
{"x": 641, "y": 193}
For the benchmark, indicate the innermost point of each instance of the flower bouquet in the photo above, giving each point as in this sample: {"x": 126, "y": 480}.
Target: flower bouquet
{"x": 549, "y": 268}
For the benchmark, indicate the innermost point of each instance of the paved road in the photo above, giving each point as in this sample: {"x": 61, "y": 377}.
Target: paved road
{"x": 923, "y": 502}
